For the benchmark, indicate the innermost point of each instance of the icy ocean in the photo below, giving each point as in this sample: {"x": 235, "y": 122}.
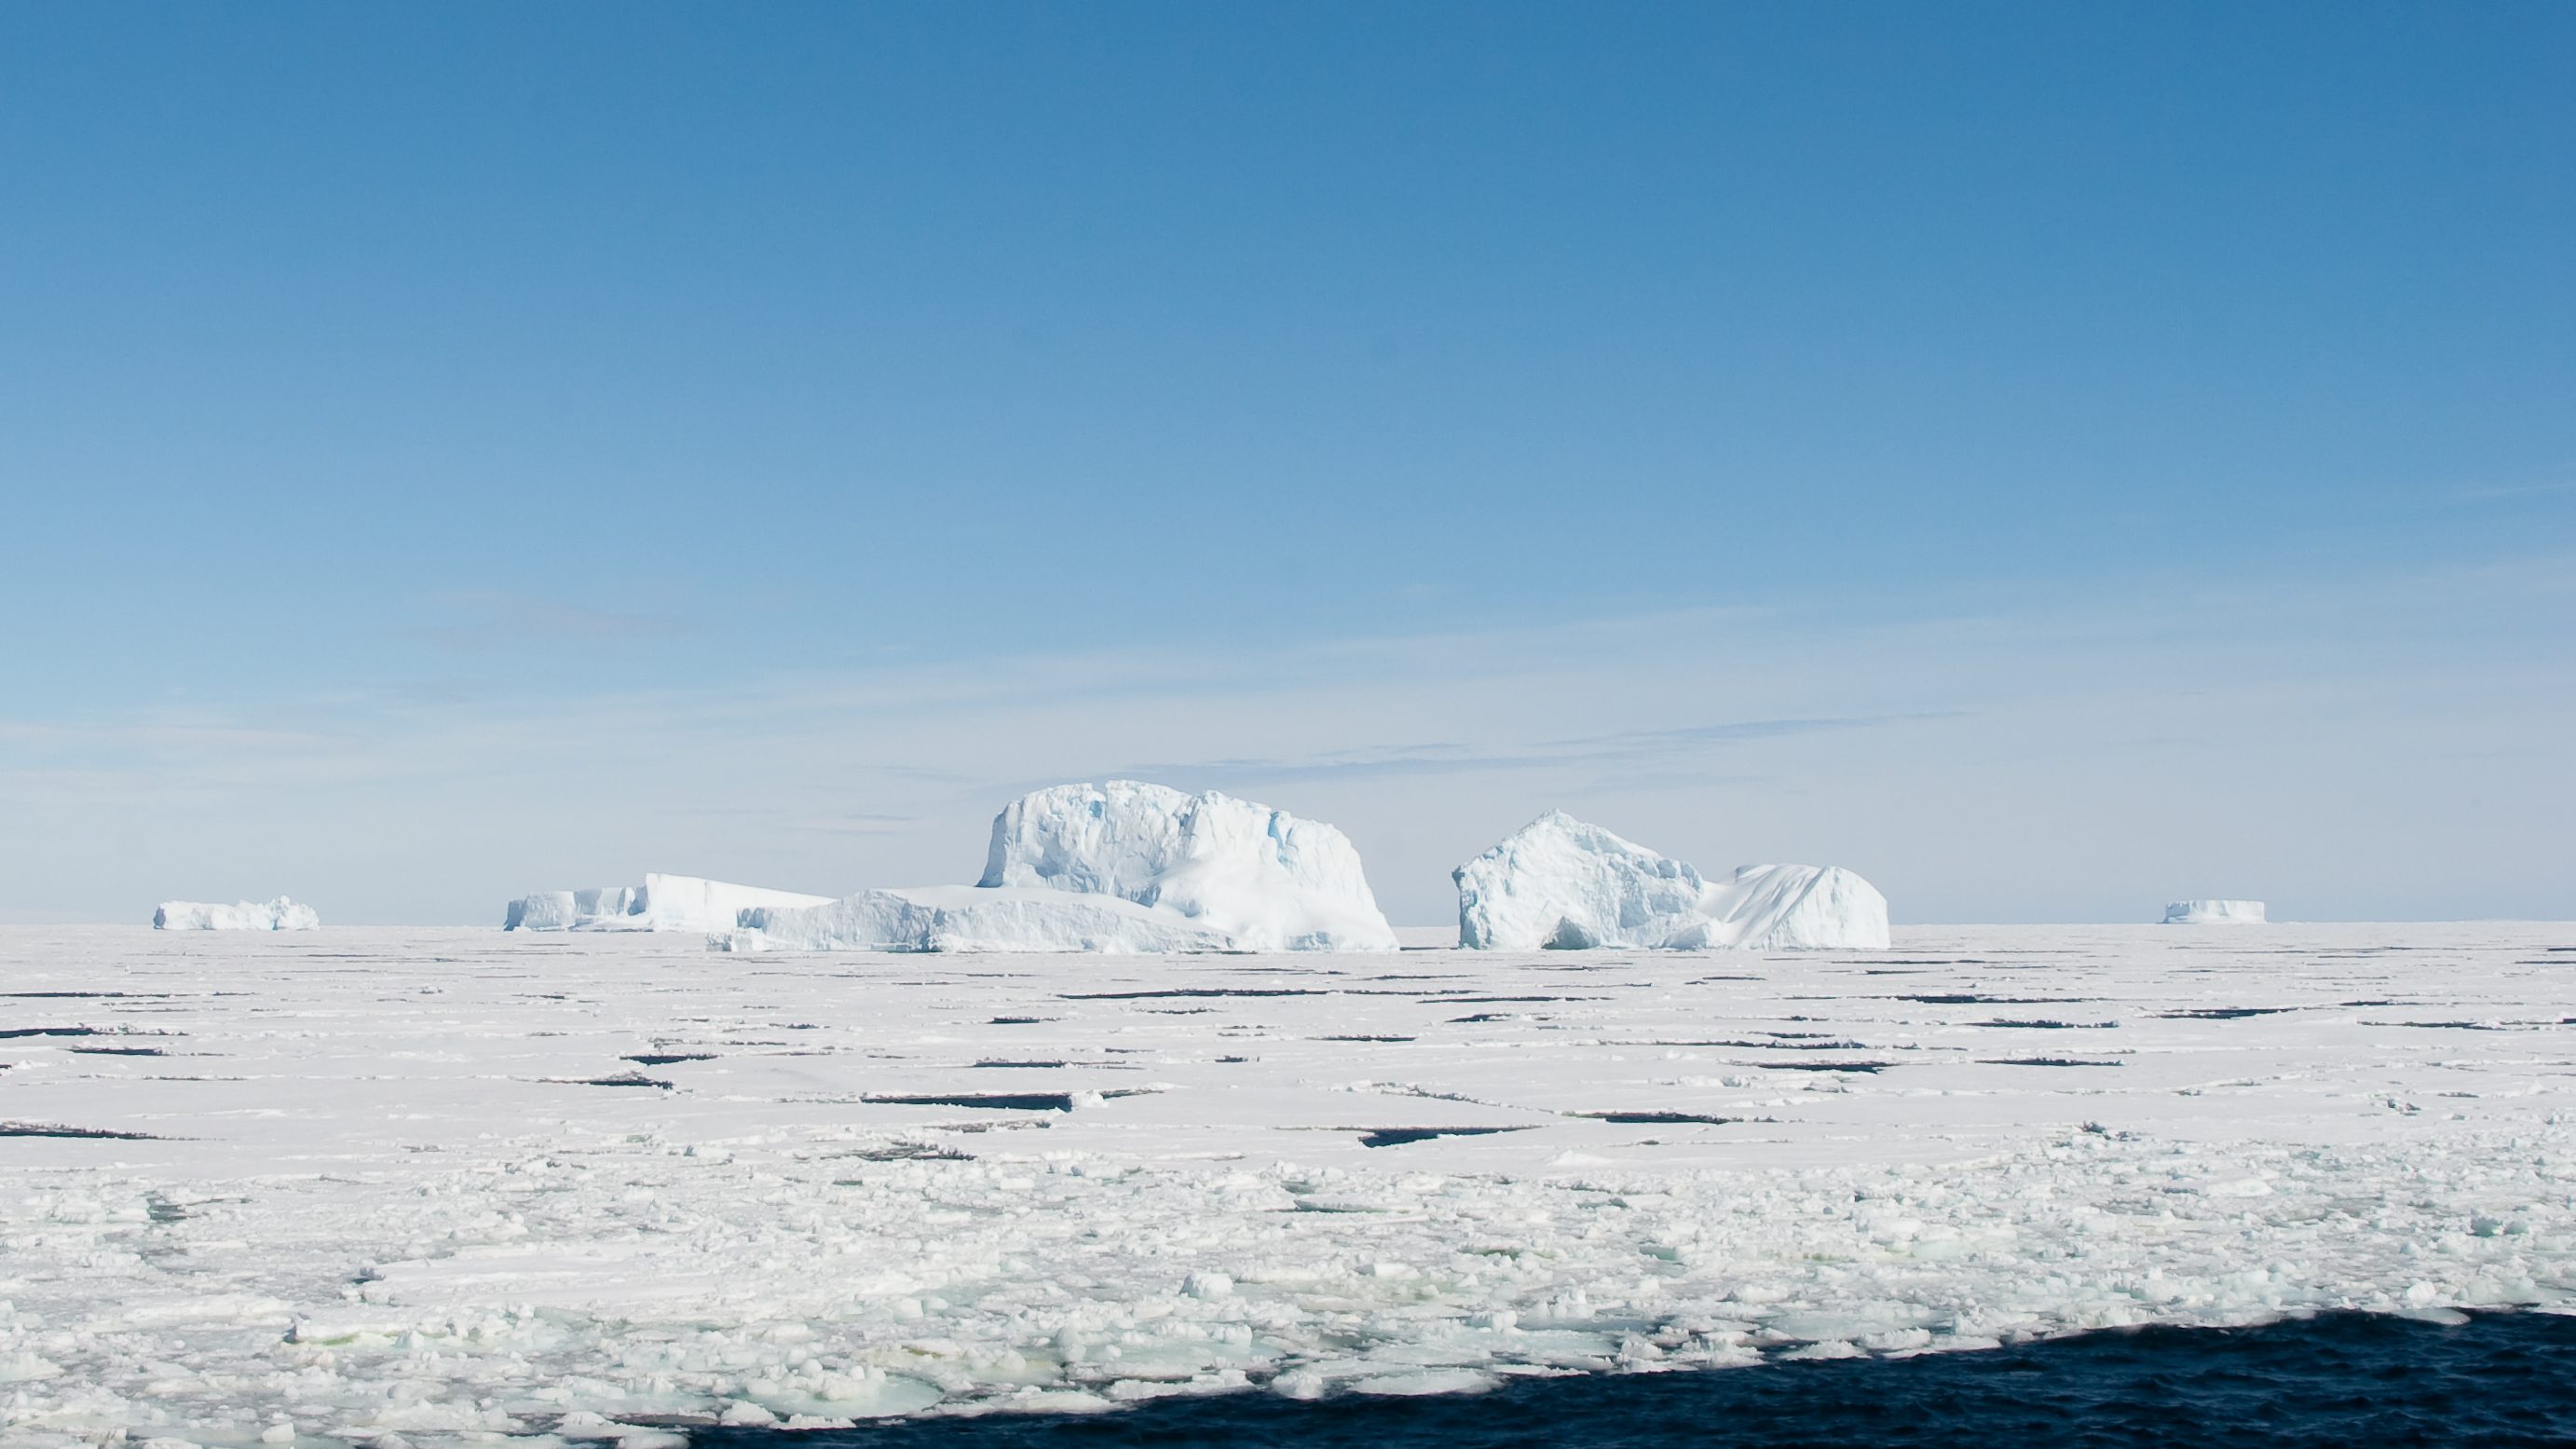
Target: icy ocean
{"x": 434, "y": 1188}
{"x": 2329, "y": 1382}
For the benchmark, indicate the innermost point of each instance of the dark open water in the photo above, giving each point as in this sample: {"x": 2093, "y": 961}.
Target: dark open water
{"x": 2341, "y": 1379}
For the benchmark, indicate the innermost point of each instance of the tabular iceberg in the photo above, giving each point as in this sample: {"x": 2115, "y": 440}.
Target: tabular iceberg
{"x": 2214, "y": 913}
{"x": 277, "y": 915}
{"x": 1560, "y": 884}
{"x": 972, "y": 918}
{"x": 1121, "y": 867}
{"x": 662, "y": 903}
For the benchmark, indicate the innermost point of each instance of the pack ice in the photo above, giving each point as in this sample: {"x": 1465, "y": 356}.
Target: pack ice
{"x": 1560, "y": 884}
{"x": 2214, "y": 913}
{"x": 1123, "y": 867}
{"x": 661, "y": 903}
{"x": 277, "y": 915}
{"x": 392, "y": 1194}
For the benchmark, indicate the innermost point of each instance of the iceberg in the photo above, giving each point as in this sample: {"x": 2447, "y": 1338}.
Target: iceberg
{"x": 2214, "y": 913}
{"x": 661, "y": 903}
{"x": 605, "y": 908}
{"x": 1267, "y": 879}
{"x": 277, "y": 915}
{"x": 972, "y": 918}
{"x": 1560, "y": 884}
{"x": 1120, "y": 867}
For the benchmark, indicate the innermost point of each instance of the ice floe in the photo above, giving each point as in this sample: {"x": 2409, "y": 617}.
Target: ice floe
{"x": 661, "y": 903}
{"x": 2214, "y": 913}
{"x": 1124, "y": 867}
{"x": 277, "y": 915}
{"x": 1558, "y": 883}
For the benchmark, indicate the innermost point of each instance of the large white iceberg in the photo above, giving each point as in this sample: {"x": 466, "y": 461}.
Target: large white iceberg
{"x": 1268, "y": 880}
{"x": 277, "y": 915}
{"x": 2214, "y": 913}
{"x": 1124, "y": 866}
{"x": 1558, "y": 883}
{"x": 661, "y": 903}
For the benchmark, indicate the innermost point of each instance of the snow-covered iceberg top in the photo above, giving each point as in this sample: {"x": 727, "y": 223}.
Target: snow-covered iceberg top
{"x": 1121, "y": 867}
{"x": 277, "y": 915}
{"x": 1558, "y": 883}
{"x": 2214, "y": 913}
{"x": 661, "y": 903}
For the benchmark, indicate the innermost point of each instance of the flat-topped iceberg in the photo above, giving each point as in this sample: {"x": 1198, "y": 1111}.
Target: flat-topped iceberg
{"x": 2214, "y": 913}
{"x": 1120, "y": 867}
{"x": 1559, "y": 884}
{"x": 661, "y": 903}
{"x": 972, "y": 918}
{"x": 604, "y": 908}
{"x": 277, "y": 915}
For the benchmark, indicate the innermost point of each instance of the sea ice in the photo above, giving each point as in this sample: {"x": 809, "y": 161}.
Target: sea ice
{"x": 405, "y": 1191}
{"x": 1124, "y": 867}
{"x": 1558, "y": 883}
{"x": 277, "y": 915}
{"x": 662, "y": 903}
{"x": 2214, "y": 913}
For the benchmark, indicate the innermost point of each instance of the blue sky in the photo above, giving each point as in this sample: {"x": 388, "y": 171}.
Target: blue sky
{"x": 2051, "y": 458}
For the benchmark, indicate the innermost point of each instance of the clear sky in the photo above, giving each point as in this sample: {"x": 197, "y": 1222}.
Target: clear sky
{"x": 2053, "y": 459}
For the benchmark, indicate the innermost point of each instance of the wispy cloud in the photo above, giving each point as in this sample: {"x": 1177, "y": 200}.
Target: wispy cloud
{"x": 157, "y": 739}
{"x": 797, "y": 817}
{"x": 495, "y": 619}
{"x": 774, "y": 812}
{"x": 2102, "y": 740}
{"x": 1632, "y": 743}
{"x": 2513, "y": 492}
{"x": 1632, "y": 746}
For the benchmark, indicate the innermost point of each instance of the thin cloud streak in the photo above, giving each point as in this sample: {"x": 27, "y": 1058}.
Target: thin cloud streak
{"x": 1454, "y": 759}
{"x": 1995, "y": 766}
{"x": 498, "y": 620}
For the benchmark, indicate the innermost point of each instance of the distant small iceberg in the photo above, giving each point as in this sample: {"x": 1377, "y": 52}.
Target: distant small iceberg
{"x": 277, "y": 915}
{"x": 2214, "y": 913}
{"x": 661, "y": 903}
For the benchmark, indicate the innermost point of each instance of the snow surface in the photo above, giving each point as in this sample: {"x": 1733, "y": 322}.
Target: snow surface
{"x": 277, "y": 915}
{"x": 1264, "y": 878}
{"x": 448, "y": 1184}
{"x": 662, "y": 903}
{"x": 2214, "y": 913}
{"x": 1558, "y": 883}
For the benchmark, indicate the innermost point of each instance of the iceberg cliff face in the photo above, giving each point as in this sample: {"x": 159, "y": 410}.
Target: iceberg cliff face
{"x": 2214, "y": 913}
{"x": 1263, "y": 878}
{"x": 603, "y": 909}
{"x": 971, "y": 918}
{"x": 662, "y": 903}
{"x": 1558, "y": 883}
{"x": 277, "y": 915}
